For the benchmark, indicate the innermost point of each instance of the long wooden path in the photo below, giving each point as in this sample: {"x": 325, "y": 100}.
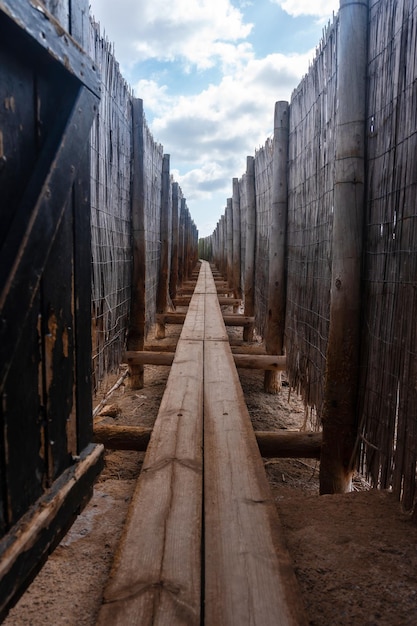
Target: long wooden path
{"x": 202, "y": 543}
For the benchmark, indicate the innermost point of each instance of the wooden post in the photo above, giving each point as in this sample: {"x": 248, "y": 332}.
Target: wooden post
{"x": 275, "y": 327}
{"x": 229, "y": 242}
{"x": 136, "y": 334}
{"x": 162, "y": 293}
{"x": 236, "y": 239}
{"x": 249, "y": 287}
{"x": 173, "y": 283}
{"x": 181, "y": 249}
{"x": 341, "y": 382}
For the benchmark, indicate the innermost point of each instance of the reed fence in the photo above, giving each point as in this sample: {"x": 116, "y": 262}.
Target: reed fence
{"x": 113, "y": 240}
{"x": 380, "y": 435}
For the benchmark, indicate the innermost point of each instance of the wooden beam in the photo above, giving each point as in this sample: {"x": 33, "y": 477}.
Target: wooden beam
{"x": 156, "y": 578}
{"x": 179, "y": 318}
{"x": 170, "y": 318}
{"x": 27, "y": 546}
{"x": 240, "y": 347}
{"x": 169, "y": 346}
{"x": 343, "y": 372}
{"x": 136, "y": 332}
{"x": 271, "y": 444}
{"x": 249, "y": 286}
{"x": 248, "y": 572}
{"x": 287, "y": 445}
{"x": 276, "y": 291}
{"x": 244, "y": 361}
{"x": 261, "y": 362}
{"x": 148, "y": 358}
{"x": 122, "y": 437}
{"x": 237, "y": 320}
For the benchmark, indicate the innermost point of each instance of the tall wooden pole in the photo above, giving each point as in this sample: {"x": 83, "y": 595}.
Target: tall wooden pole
{"x": 341, "y": 382}
{"x": 275, "y": 327}
{"x": 173, "y": 283}
{"x": 136, "y": 334}
{"x": 162, "y": 292}
{"x": 229, "y": 242}
{"x": 181, "y": 248}
{"x": 249, "y": 286}
{"x": 236, "y": 239}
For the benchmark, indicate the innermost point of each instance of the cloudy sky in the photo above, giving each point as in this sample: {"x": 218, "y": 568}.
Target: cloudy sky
{"x": 209, "y": 73}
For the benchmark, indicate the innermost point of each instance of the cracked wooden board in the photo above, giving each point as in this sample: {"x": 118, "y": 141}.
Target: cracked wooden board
{"x": 156, "y": 576}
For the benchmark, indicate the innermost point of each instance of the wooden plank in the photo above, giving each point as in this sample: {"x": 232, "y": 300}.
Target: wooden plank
{"x": 261, "y": 362}
{"x": 214, "y": 325}
{"x": 156, "y": 576}
{"x": 47, "y": 195}
{"x": 248, "y": 573}
{"x": 50, "y": 43}
{"x": 82, "y": 302}
{"x": 26, "y": 547}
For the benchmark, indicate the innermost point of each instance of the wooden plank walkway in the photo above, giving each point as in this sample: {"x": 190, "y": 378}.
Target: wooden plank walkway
{"x": 177, "y": 539}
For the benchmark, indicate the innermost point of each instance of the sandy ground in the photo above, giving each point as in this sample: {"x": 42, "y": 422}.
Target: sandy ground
{"x": 355, "y": 556}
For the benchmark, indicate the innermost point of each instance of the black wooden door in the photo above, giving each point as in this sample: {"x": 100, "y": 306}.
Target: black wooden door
{"x": 49, "y": 91}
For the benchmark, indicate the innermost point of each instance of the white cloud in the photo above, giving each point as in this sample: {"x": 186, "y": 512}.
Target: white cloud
{"x": 209, "y": 134}
{"x": 195, "y": 32}
{"x": 317, "y": 8}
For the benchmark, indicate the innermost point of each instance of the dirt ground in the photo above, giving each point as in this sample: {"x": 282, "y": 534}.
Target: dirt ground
{"x": 355, "y": 555}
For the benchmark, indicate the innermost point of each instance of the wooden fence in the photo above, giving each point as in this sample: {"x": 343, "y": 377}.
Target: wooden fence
{"x": 136, "y": 226}
{"x": 93, "y": 234}
{"x": 349, "y": 250}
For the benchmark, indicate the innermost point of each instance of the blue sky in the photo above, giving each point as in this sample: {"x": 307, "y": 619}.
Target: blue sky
{"x": 209, "y": 73}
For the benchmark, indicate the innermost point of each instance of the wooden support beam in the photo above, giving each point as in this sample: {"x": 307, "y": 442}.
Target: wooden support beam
{"x": 235, "y": 302}
{"x": 170, "y": 318}
{"x": 261, "y": 362}
{"x": 239, "y": 347}
{"x": 122, "y": 437}
{"x": 276, "y": 296}
{"x": 149, "y": 358}
{"x": 27, "y": 546}
{"x": 169, "y": 346}
{"x": 237, "y": 320}
{"x": 271, "y": 444}
{"x": 185, "y": 291}
{"x": 343, "y": 373}
{"x": 289, "y": 445}
{"x": 179, "y": 318}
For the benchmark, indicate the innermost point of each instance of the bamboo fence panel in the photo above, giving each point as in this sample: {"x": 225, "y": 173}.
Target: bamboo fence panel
{"x": 243, "y": 211}
{"x": 388, "y": 398}
{"x": 263, "y": 190}
{"x": 309, "y": 229}
{"x": 111, "y": 139}
{"x": 153, "y": 156}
